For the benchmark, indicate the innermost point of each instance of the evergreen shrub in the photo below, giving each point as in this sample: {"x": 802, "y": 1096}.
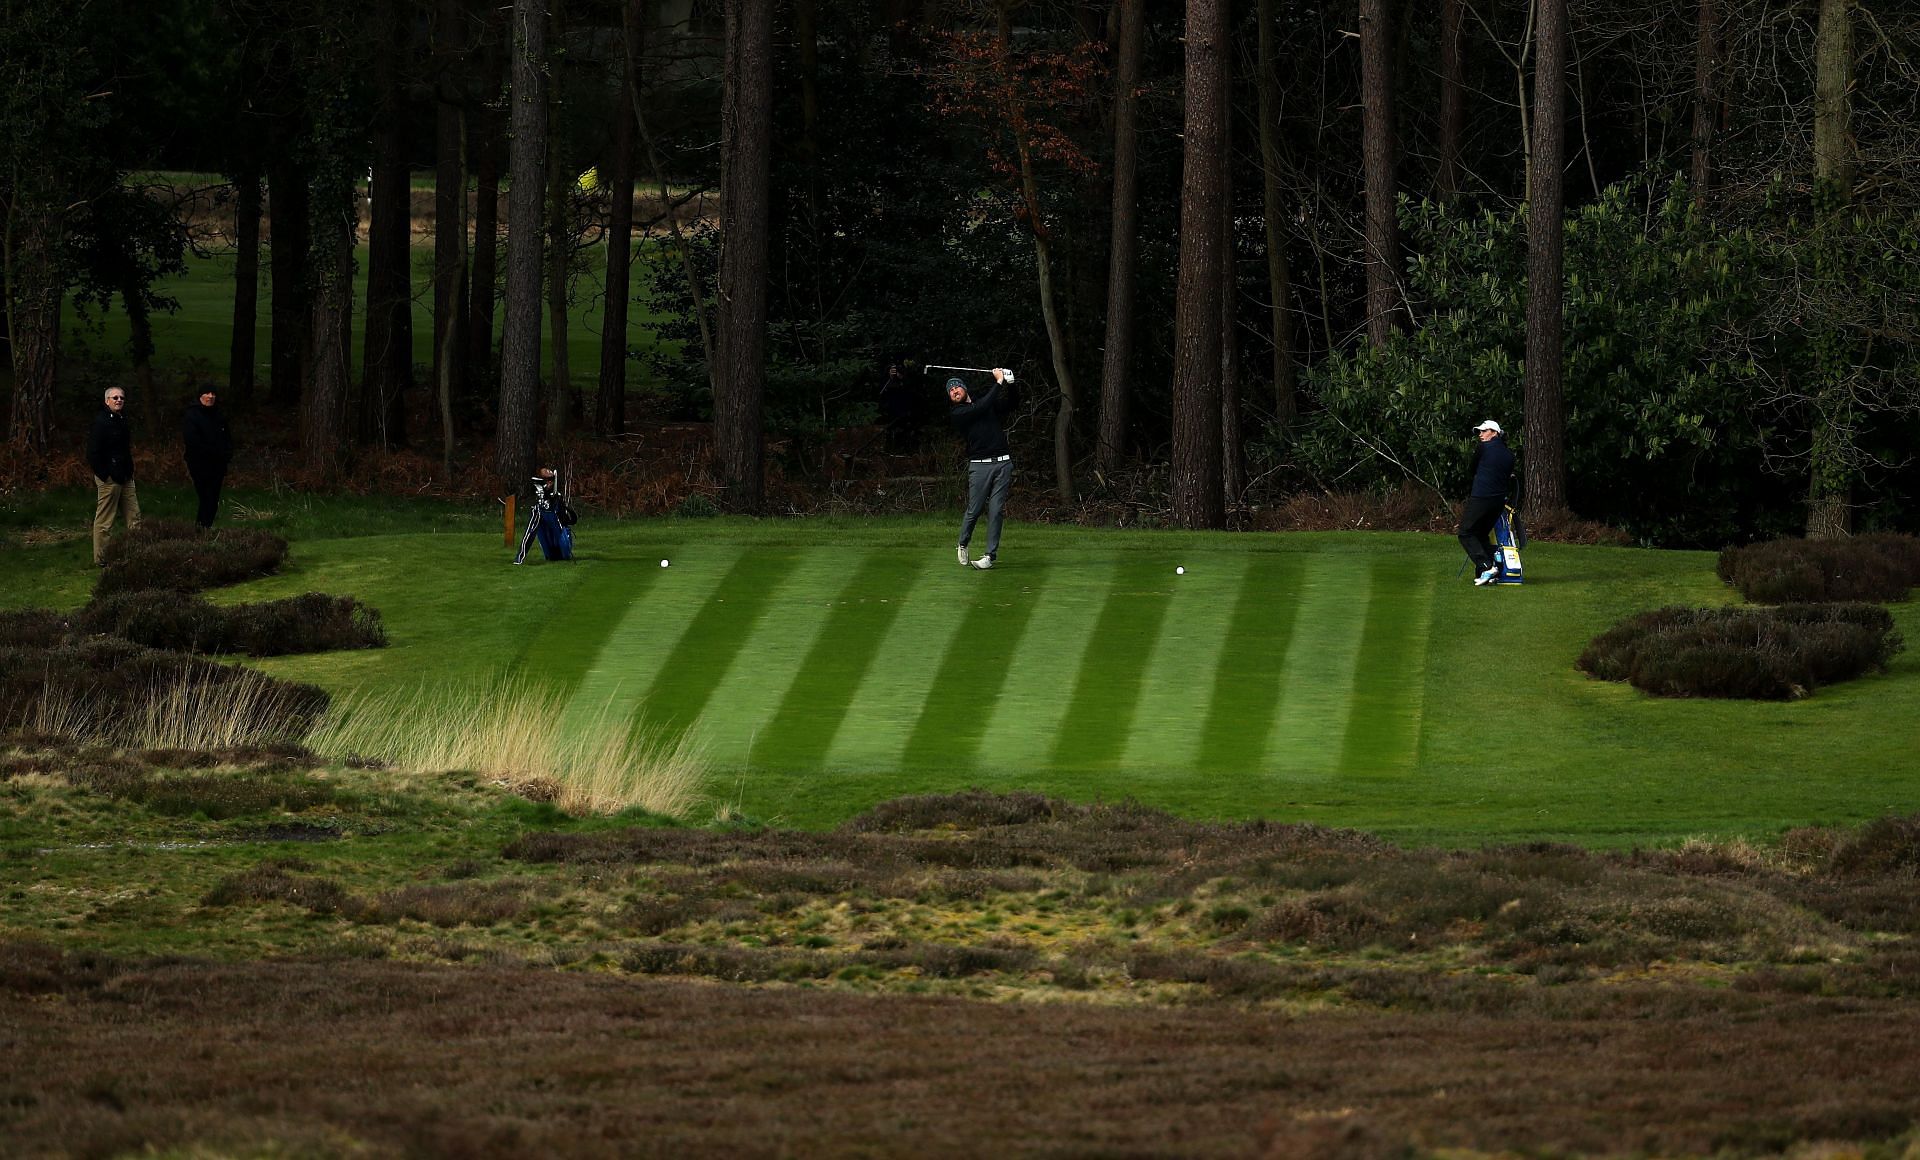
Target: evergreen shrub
{"x": 180, "y": 557}
{"x": 1880, "y": 567}
{"x": 1759, "y": 653}
{"x": 314, "y": 622}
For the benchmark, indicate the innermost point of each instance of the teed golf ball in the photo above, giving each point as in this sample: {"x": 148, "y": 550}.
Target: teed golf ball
{"x": 1179, "y": 571}
{"x": 663, "y": 563}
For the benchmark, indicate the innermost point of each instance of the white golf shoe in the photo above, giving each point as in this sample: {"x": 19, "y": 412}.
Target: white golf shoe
{"x": 962, "y": 552}
{"x": 983, "y": 563}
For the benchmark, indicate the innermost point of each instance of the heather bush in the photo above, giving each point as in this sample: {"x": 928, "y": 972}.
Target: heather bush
{"x": 220, "y": 796}
{"x": 451, "y": 904}
{"x": 1881, "y": 567}
{"x": 1759, "y": 653}
{"x": 1887, "y": 848}
{"x": 117, "y": 692}
{"x": 270, "y": 883}
{"x": 34, "y": 628}
{"x": 180, "y": 557}
{"x": 314, "y": 622}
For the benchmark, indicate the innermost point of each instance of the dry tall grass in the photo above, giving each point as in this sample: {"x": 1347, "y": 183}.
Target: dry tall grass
{"x": 520, "y": 733}
{"x": 241, "y": 711}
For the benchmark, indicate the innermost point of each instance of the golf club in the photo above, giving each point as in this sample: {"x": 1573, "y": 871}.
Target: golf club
{"x": 925, "y": 367}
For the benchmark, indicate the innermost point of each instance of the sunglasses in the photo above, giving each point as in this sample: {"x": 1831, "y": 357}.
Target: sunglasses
{"x": 116, "y": 398}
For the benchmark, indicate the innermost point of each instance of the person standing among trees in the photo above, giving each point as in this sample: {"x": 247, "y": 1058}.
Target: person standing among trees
{"x": 1492, "y": 472}
{"x": 989, "y": 461}
{"x": 209, "y": 447}
{"x": 897, "y": 410}
{"x": 110, "y": 455}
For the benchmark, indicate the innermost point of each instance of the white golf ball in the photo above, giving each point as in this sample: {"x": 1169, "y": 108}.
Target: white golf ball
{"x": 1179, "y": 571}
{"x": 663, "y": 563}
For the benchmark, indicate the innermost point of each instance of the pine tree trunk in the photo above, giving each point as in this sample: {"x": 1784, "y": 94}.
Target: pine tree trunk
{"x": 1233, "y": 464}
{"x": 1546, "y": 417}
{"x": 288, "y": 243}
{"x": 33, "y": 316}
{"x": 483, "y": 283}
{"x": 1123, "y": 254}
{"x": 560, "y": 397}
{"x": 746, "y": 137}
{"x": 520, "y": 348}
{"x": 449, "y": 221}
{"x": 1279, "y": 274}
{"x": 1832, "y": 452}
{"x": 1705, "y": 67}
{"x": 1197, "y": 483}
{"x": 610, "y": 401}
{"x": 1043, "y": 264}
{"x": 1832, "y": 106}
{"x": 325, "y": 397}
{"x": 139, "y": 333}
{"x": 1453, "y": 101}
{"x": 246, "y": 286}
{"x": 1377, "y": 148}
{"x": 386, "y": 359}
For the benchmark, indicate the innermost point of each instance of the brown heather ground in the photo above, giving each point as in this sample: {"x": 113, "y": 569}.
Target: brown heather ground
{"x": 388, "y": 1059}
{"x": 438, "y": 968}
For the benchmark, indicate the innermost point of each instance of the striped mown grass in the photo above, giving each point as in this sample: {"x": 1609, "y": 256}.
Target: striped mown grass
{"x": 874, "y": 657}
{"x": 1345, "y": 678}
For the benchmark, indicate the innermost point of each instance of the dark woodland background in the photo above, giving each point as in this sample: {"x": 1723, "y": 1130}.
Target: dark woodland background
{"x": 1237, "y": 249}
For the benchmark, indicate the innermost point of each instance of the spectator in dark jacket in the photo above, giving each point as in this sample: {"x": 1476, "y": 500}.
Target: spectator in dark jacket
{"x": 898, "y": 410}
{"x": 1492, "y": 472}
{"x": 110, "y": 455}
{"x": 989, "y": 462}
{"x": 209, "y": 447}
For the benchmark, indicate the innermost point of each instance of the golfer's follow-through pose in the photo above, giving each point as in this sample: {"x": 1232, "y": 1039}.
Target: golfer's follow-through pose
{"x": 989, "y": 462}
{"x": 1492, "y": 469}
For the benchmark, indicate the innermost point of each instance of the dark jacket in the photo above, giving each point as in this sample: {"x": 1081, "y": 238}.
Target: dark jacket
{"x": 1492, "y": 469}
{"x": 979, "y": 422}
{"x": 204, "y": 430}
{"x": 110, "y": 447}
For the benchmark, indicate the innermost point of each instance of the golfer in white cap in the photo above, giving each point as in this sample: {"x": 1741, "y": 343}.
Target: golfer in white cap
{"x": 1492, "y": 472}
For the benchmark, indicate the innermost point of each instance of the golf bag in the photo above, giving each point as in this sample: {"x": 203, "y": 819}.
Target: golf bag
{"x": 550, "y": 522}
{"x": 1509, "y": 536}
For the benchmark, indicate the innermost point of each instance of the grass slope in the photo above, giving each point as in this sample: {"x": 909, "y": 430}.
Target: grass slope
{"x": 1349, "y": 679}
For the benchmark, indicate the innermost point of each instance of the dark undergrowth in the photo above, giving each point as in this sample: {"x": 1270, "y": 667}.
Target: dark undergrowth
{"x": 1776, "y": 653}
{"x": 1881, "y": 567}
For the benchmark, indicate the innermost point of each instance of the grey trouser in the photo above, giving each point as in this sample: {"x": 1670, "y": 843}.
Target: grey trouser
{"x": 111, "y": 498}
{"x": 987, "y": 487}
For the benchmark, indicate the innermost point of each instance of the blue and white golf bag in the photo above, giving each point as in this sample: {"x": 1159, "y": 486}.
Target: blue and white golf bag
{"x": 1509, "y": 536}
{"x": 551, "y": 521}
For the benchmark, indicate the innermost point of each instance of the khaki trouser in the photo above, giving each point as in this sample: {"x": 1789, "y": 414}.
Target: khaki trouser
{"x": 109, "y": 498}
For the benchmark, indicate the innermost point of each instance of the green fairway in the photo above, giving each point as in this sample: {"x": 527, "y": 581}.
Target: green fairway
{"x": 1349, "y": 679}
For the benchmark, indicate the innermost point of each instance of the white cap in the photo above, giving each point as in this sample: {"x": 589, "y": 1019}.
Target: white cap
{"x": 1490, "y": 425}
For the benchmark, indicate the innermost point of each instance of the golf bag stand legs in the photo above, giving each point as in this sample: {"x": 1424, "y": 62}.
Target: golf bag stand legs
{"x": 526, "y": 541}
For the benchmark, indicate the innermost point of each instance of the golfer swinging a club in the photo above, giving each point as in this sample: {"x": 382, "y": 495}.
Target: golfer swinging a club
{"x": 989, "y": 462}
